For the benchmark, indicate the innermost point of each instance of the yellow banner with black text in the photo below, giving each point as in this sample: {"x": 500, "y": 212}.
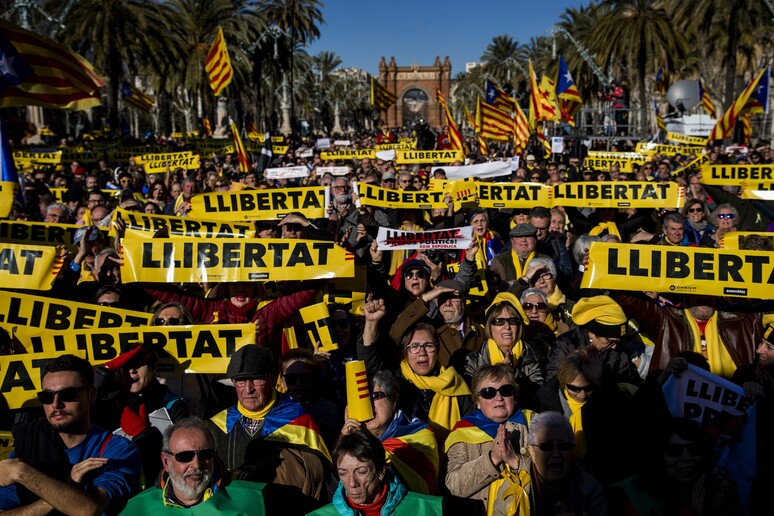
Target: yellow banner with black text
{"x": 371, "y": 195}
{"x": 270, "y": 204}
{"x": 146, "y": 226}
{"x": 33, "y": 267}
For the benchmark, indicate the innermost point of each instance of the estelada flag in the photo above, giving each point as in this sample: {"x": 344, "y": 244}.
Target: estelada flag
{"x": 567, "y": 94}
{"x": 412, "y": 450}
{"x": 381, "y": 97}
{"x": 136, "y": 98}
{"x": 218, "y": 64}
{"x": 497, "y": 97}
{"x": 40, "y": 72}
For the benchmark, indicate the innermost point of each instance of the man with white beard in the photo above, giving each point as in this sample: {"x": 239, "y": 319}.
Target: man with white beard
{"x": 342, "y": 214}
{"x": 194, "y": 477}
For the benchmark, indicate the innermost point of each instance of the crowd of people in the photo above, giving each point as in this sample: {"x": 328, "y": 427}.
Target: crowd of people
{"x": 498, "y": 384}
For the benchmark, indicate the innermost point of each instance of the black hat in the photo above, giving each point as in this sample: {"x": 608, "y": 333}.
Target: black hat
{"x": 251, "y": 361}
{"x": 415, "y": 264}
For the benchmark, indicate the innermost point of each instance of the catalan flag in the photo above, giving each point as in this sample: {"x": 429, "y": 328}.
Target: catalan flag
{"x": 455, "y": 137}
{"x": 496, "y": 97}
{"x": 412, "y": 450}
{"x": 206, "y": 126}
{"x": 493, "y": 123}
{"x": 567, "y": 94}
{"x": 659, "y": 119}
{"x": 539, "y": 106}
{"x": 754, "y": 99}
{"x": 706, "y": 101}
{"x": 38, "y": 72}
{"x": 744, "y": 120}
{"x": 482, "y": 148}
{"x": 218, "y": 65}
{"x": 381, "y": 97}
{"x": 661, "y": 83}
{"x": 136, "y": 98}
{"x": 244, "y": 161}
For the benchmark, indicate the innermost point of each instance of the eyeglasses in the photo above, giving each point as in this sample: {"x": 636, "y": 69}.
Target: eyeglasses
{"x": 729, "y": 216}
{"x": 294, "y": 378}
{"x": 112, "y": 304}
{"x": 546, "y": 276}
{"x": 378, "y": 395}
{"x": 500, "y": 321}
{"x": 68, "y": 394}
{"x": 427, "y": 347}
{"x": 676, "y": 450}
{"x": 169, "y": 321}
{"x": 488, "y": 393}
{"x": 549, "y": 446}
{"x": 696, "y": 210}
{"x": 388, "y": 180}
{"x": 415, "y": 274}
{"x": 540, "y": 306}
{"x": 577, "y": 388}
{"x": 184, "y": 457}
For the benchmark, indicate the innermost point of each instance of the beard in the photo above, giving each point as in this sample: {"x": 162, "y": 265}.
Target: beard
{"x": 342, "y": 199}
{"x": 184, "y": 490}
{"x": 67, "y": 427}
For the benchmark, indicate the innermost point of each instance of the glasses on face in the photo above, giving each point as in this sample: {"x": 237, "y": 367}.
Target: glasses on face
{"x": 546, "y": 276}
{"x": 68, "y": 394}
{"x": 112, "y": 304}
{"x": 294, "y": 378}
{"x": 729, "y": 216}
{"x": 416, "y": 347}
{"x": 417, "y": 274}
{"x": 549, "y": 446}
{"x": 540, "y": 306}
{"x": 388, "y": 180}
{"x": 169, "y": 321}
{"x": 677, "y": 450}
{"x": 184, "y": 457}
{"x": 695, "y": 210}
{"x": 378, "y": 395}
{"x": 577, "y": 388}
{"x": 500, "y": 321}
{"x": 488, "y": 393}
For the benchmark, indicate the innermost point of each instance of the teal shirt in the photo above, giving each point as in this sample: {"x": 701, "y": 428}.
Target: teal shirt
{"x": 237, "y": 498}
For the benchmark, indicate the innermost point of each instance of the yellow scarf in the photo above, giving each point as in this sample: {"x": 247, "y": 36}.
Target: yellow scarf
{"x": 444, "y": 410}
{"x": 611, "y": 228}
{"x": 517, "y": 263}
{"x": 496, "y": 356}
{"x": 517, "y": 482}
{"x": 261, "y": 413}
{"x": 550, "y": 322}
{"x": 555, "y": 299}
{"x": 576, "y": 421}
{"x": 720, "y": 361}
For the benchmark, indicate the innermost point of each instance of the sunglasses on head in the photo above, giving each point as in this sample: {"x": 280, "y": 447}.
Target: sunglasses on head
{"x": 549, "y": 446}
{"x": 415, "y": 274}
{"x": 488, "y": 393}
{"x": 68, "y": 394}
{"x": 540, "y": 306}
{"x": 500, "y": 321}
{"x": 676, "y": 450}
{"x": 578, "y": 388}
{"x": 169, "y": 321}
{"x": 184, "y": 457}
{"x": 378, "y": 395}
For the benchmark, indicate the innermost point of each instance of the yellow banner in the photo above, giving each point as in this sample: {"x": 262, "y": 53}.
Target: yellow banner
{"x": 619, "y": 194}
{"x": 686, "y": 140}
{"x": 270, "y": 204}
{"x": 22, "y": 159}
{"x": 478, "y": 284}
{"x": 513, "y": 195}
{"x": 417, "y": 156}
{"x": 759, "y": 192}
{"x": 624, "y": 160}
{"x": 681, "y": 270}
{"x": 462, "y": 190}
{"x": 40, "y": 233}
{"x": 28, "y": 266}
{"x": 190, "y": 260}
{"x": 317, "y": 324}
{"x": 667, "y": 150}
{"x": 344, "y": 154}
{"x": 82, "y": 156}
{"x": 350, "y": 292}
{"x": 279, "y": 150}
{"x": 7, "y": 193}
{"x": 21, "y": 378}
{"x": 57, "y": 315}
{"x": 694, "y": 164}
{"x": 155, "y": 163}
{"x": 46, "y": 157}
{"x": 6, "y": 445}
{"x": 394, "y": 146}
{"x": 145, "y": 226}
{"x": 371, "y": 195}
{"x": 732, "y": 239}
{"x": 747, "y": 175}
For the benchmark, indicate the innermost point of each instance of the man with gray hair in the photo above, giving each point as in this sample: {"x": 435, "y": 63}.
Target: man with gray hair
{"x": 194, "y": 476}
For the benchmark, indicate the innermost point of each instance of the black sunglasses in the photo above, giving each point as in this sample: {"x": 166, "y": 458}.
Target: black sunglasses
{"x": 68, "y": 394}
{"x": 171, "y": 321}
{"x": 549, "y": 446}
{"x": 294, "y": 227}
{"x": 577, "y": 388}
{"x": 112, "y": 304}
{"x": 184, "y": 457}
{"x": 500, "y": 321}
{"x": 489, "y": 393}
{"x": 378, "y": 395}
{"x": 415, "y": 274}
{"x": 676, "y": 450}
{"x": 540, "y": 307}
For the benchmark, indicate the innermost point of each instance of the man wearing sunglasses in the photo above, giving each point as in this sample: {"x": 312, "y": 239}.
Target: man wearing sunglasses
{"x": 194, "y": 476}
{"x": 62, "y": 462}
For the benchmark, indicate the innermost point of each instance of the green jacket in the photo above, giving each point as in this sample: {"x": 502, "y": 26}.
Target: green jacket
{"x": 237, "y": 498}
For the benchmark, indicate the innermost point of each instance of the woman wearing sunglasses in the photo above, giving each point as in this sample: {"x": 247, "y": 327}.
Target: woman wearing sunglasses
{"x": 541, "y": 274}
{"x": 724, "y": 218}
{"x": 697, "y": 223}
{"x": 486, "y": 451}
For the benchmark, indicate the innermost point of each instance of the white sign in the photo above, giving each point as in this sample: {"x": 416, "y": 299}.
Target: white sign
{"x": 334, "y": 171}
{"x": 515, "y": 162}
{"x": 286, "y": 172}
{"x": 323, "y": 143}
{"x": 557, "y": 145}
{"x": 453, "y": 238}
{"x": 482, "y": 170}
{"x": 342, "y": 143}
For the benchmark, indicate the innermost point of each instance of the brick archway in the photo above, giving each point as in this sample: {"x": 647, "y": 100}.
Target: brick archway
{"x": 415, "y": 88}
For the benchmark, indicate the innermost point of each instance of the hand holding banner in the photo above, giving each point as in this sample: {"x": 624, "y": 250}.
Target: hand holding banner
{"x": 270, "y": 204}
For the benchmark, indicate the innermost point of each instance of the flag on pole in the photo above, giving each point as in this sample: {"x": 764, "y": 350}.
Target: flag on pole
{"x": 7, "y": 165}
{"x": 264, "y": 160}
{"x": 753, "y": 99}
{"x": 659, "y": 119}
{"x": 136, "y": 98}
{"x": 381, "y": 97}
{"x": 746, "y": 129}
{"x": 218, "y": 65}
{"x": 206, "y": 125}
{"x": 244, "y": 160}
{"x": 455, "y": 137}
{"x": 706, "y": 101}
{"x": 661, "y": 84}
{"x": 548, "y": 93}
{"x": 534, "y": 100}
{"x": 482, "y": 148}
{"x": 493, "y": 123}
{"x": 567, "y": 94}
{"x": 35, "y": 71}
{"x": 521, "y": 130}
{"x": 496, "y": 97}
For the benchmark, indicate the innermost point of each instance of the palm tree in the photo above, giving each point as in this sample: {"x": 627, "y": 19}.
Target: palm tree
{"x": 640, "y": 36}
{"x": 504, "y": 60}
{"x": 581, "y": 23}
{"x": 122, "y": 38}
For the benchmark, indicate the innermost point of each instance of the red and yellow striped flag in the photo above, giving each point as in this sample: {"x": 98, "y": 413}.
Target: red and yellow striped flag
{"x": 493, "y": 123}
{"x": 244, "y": 160}
{"x": 746, "y": 129}
{"x": 752, "y": 100}
{"x": 381, "y": 97}
{"x": 482, "y": 148}
{"x": 455, "y": 137}
{"x": 521, "y": 130}
{"x": 207, "y": 126}
{"x": 136, "y": 98}
{"x": 218, "y": 64}
{"x": 706, "y": 101}
{"x": 39, "y": 72}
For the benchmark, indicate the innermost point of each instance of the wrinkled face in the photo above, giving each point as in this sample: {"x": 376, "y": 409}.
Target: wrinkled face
{"x": 535, "y": 307}
{"x": 682, "y": 459}
{"x": 55, "y": 215}
{"x": 422, "y": 352}
{"x": 255, "y": 394}
{"x": 726, "y": 220}
{"x": 174, "y": 190}
{"x": 361, "y": 480}
{"x": 293, "y": 230}
{"x": 499, "y": 408}
{"x": 580, "y": 388}
{"x": 546, "y": 282}
{"x": 452, "y": 307}
{"x": 136, "y": 378}
{"x": 67, "y": 416}
{"x": 557, "y": 223}
{"x": 480, "y": 225}
{"x": 523, "y": 245}
{"x": 765, "y": 353}
{"x": 384, "y": 412}
{"x": 506, "y": 334}
{"x": 415, "y": 281}
{"x": 189, "y": 479}
{"x": 552, "y": 453}
{"x": 91, "y": 182}
{"x": 674, "y": 232}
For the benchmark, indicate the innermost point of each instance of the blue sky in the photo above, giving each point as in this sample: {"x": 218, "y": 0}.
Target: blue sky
{"x": 361, "y": 31}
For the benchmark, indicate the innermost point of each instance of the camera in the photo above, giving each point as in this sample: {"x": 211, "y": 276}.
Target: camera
{"x": 434, "y": 255}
